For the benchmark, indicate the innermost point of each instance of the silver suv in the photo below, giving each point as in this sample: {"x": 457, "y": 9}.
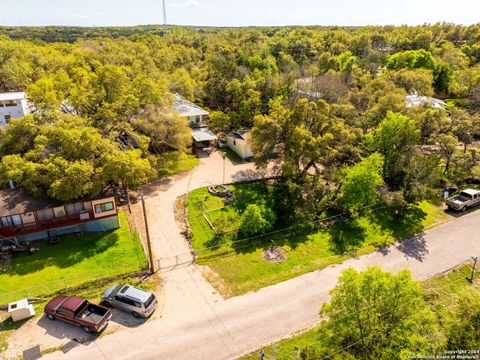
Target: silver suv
{"x": 138, "y": 302}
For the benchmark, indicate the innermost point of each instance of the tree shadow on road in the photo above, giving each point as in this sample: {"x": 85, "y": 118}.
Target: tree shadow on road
{"x": 415, "y": 247}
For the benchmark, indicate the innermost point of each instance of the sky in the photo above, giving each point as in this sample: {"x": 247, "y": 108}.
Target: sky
{"x": 237, "y": 12}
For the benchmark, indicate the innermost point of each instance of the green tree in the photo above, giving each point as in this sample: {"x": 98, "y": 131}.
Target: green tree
{"x": 256, "y": 219}
{"x": 377, "y": 315}
{"x": 126, "y": 168}
{"x": 77, "y": 179}
{"x": 447, "y": 144}
{"x": 359, "y": 187}
{"x": 395, "y": 138}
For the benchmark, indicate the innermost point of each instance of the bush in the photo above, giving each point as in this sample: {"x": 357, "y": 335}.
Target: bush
{"x": 256, "y": 219}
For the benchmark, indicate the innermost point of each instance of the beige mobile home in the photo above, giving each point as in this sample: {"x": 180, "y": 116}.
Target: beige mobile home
{"x": 239, "y": 141}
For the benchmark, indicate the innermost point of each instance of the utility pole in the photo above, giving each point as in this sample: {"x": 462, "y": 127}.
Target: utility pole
{"x": 164, "y": 18}
{"x": 223, "y": 156}
{"x": 474, "y": 258}
{"x": 149, "y": 245}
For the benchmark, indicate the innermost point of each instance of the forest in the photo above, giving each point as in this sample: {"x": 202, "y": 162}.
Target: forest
{"x": 330, "y": 101}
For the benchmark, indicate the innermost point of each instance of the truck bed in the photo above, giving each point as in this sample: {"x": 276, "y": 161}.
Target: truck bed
{"x": 92, "y": 314}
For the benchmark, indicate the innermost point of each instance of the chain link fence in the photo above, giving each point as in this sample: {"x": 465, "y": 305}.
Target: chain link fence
{"x": 52, "y": 287}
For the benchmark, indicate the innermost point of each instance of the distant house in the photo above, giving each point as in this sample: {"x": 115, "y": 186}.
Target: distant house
{"x": 196, "y": 117}
{"x": 194, "y": 113}
{"x": 13, "y": 105}
{"x": 239, "y": 141}
{"x": 26, "y": 218}
{"x": 413, "y": 100}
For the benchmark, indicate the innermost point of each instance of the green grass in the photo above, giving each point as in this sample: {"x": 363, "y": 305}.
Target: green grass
{"x": 435, "y": 214}
{"x": 440, "y": 292}
{"x": 239, "y": 267}
{"x": 232, "y": 155}
{"x": 74, "y": 261}
{"x": 175, "y": 162}
{"x": 92, "y": 291}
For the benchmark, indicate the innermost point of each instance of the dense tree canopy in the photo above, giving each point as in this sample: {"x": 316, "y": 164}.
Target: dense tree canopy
{"x": 377, "y": 315}
{"x": 321, "y": 98}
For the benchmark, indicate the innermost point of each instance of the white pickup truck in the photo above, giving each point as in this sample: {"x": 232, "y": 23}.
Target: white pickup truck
{"x": 466, "y": 199}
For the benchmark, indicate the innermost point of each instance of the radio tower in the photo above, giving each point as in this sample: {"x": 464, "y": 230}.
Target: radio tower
{"x": 164, "y": 18}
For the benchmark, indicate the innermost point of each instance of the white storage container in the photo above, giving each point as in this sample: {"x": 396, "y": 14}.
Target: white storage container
{"x": 20, "y": 310}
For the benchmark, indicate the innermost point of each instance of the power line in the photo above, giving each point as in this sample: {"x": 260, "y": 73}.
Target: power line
{"x": 346, "y": 347}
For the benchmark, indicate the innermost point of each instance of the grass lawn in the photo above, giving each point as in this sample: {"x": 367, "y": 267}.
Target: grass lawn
{"x": 239, "y": 267}
{"x": 91, "y": 291}
{"x": 438, "y": 291}
{"x": 74, "y": 261}
{"x": 175, "y": 162}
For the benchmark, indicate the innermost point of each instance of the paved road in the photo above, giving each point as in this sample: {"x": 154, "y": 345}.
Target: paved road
{"x": 230, "y": 328}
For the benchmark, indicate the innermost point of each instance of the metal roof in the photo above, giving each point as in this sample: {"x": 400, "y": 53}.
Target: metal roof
{"x": 417, "y": 100}
{"x": 11, "y": 96}
{"x": 240, "y": 134}
{"x": 203, "y": 134}
{"x": 186, "y": 108}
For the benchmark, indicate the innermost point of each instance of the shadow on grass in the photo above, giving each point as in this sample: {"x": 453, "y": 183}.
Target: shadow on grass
{"x": 253, "y": 193}
{"x": 71, "y": 250}
{"x": 346, "y": 235}
{"x": 407, "y": 226}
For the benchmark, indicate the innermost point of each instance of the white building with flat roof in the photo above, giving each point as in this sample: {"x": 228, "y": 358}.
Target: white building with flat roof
{"x": 194, "y": 113}
{"x": 13, "y": 105}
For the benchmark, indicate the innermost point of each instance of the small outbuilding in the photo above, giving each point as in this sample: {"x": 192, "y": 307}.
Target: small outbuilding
{"x": 239, "y": 141}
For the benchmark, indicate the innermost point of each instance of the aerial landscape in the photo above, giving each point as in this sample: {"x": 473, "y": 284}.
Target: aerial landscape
{"x": 206, "y": 179}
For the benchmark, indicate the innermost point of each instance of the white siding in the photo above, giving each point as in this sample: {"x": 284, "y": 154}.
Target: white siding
{"x": 241, "y": 147}
{"x": 16, "y": 111}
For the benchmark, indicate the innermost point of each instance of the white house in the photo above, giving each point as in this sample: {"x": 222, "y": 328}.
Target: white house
{"x": 417, "y": 100}
{"x": 239, "y": 141}
{"x": 195, "y": 114}
{"x": 13, "y": 105}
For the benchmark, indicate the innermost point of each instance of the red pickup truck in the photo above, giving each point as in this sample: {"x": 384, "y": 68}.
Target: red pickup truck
{"x": 78, "y": 311}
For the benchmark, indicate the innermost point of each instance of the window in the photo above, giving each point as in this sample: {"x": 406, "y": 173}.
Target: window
{"x": 16, "y": 220}
{"x": 6, "y": 221}
{"x": 65, "y": 312}
{"x": 149, "y": 301}
{"x": 127, "y": 301}
{"x": 104, "y": 207}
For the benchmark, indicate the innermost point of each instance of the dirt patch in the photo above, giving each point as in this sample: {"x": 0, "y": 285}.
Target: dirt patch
{"x": 181, "y": 215}
{"x": 274, "y": 255}
{"x": 216, "y": 281}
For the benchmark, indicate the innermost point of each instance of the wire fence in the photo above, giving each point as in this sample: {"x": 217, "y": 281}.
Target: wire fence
{"x": 52, "y": 287}
{"x": 227, "y": 248}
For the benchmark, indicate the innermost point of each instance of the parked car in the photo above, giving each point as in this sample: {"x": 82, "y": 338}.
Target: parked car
{"x": 78, "y": 311}
{"x": 138, "y": 302}
{"x": 466, "y": 199}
